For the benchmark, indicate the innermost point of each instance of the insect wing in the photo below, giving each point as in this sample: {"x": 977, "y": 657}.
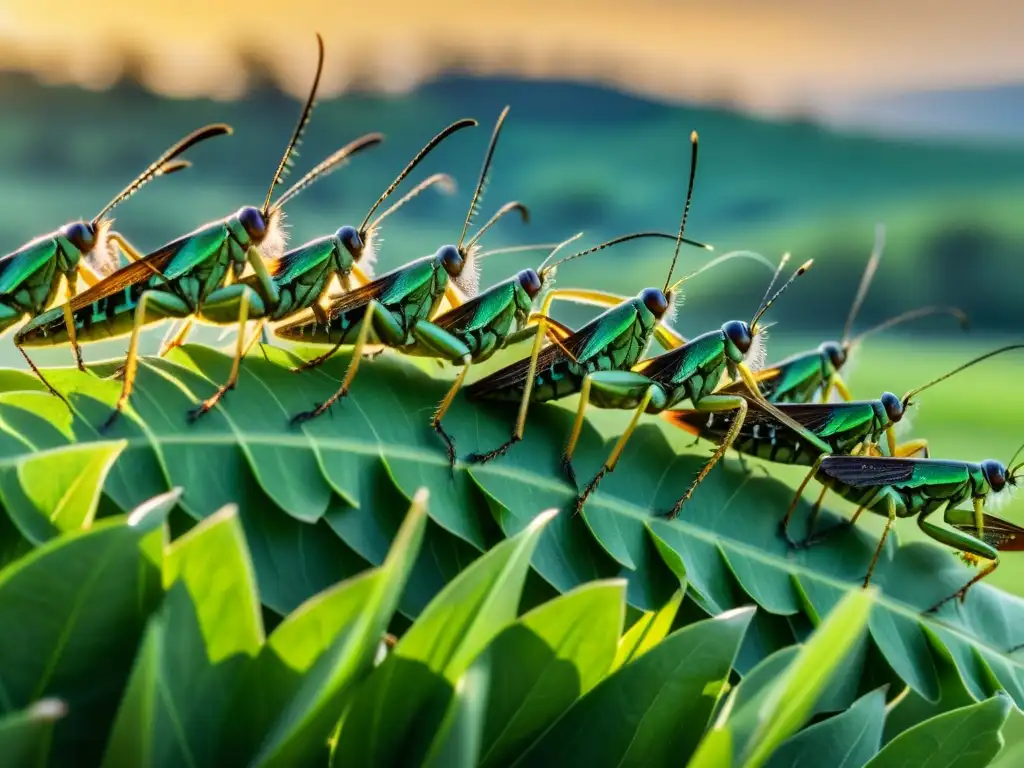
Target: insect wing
{"x": 870, "y": 471}
{"x": 16, "y": 267}
{"x": 134, "y": 273}
{"x": 303, "y": 260}
{"x": 604, "y": 329}
{"x": 998, "y": 533}
{"x": 479, "y": 311}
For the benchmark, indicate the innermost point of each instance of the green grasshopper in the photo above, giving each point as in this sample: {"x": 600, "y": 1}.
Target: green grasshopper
{"x": 844, "y": 428}
{"x": 397, "y": 308}
{"x": 30, "y": 277}
{"x": 613, "y": 341}
{"x": 803, "y": 377}
{"x": 176, "y": 280}
{"x": 905, "y": 487}
{"x": 692, "y": 371}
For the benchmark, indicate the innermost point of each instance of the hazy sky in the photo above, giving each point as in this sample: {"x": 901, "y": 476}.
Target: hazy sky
{"x": 777, "y": 55}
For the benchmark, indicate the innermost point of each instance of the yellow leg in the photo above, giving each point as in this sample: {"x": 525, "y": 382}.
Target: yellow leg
{"x": 178, "y": 339}
{"x": 962, "y": 592}
{"x": 131, "y": 363}
{"x": 69, "y": 323}
{"x": 446, "y": 403}
{"x": 620, "y": 444}
{"x": 255, "y": 337}
{"x": 577, "y": 427}
{"x": 240, "y": 347}
{"x": 712, "y": 404}
{"x": 129, "y": 250}
{"x": 881, "y": 542}
{"x": 912, "y": 447}
{"x": 979, "y": 517}
{"x": 837, "y": 382}
{"x": 89, "y": 277}
{"x": 784, "y": 524}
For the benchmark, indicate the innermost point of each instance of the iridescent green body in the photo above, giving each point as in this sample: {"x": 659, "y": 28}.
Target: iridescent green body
{"x": 407, "y": 295}
{"x": 613, "y": 341}
{"x": 30, "y": 276}
{"x": 840, "y": 426}
{"x": 917, "y": 486}
{"x": 183, "y": 272}
{"x": 800, "y": 378}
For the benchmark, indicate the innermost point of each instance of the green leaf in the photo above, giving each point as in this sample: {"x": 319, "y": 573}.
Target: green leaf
{"x": 416, "y": 681}
{"x": 966, "y": 736}
{"x": 537, "y": 667}
{"x": 460, "y": 736}
{"x": 25, "y": 736}
{"x": 649, "y": 630}
{"x": 653, "y": 710}
{"x": 57, "y": 490}
{"x": 850, "y": 739}
{"x": 792, "y": 698}
{"x": 73, "y": 612}
{"x": 213, "y": 563}
{"x": 302, "y": 729}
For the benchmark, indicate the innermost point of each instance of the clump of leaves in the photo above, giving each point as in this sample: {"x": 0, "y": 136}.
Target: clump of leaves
{"x": 324, "y": 504}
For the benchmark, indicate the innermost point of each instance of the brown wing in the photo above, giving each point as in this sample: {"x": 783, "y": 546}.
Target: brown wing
{"x": 999, "y": 533}
{"x": 136, "y": 272}
{"x": 515, "y": 373}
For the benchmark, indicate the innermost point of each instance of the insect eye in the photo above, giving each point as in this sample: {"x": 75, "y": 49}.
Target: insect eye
{"x": 655, "y": 301}
{"x": 995, "y": 473}
{"x": 349, "y": 237}
{"x": 254, "y": 224}
{"x": 836, "y": 354}
{"x": 530, "y": 281}
{"x": 81, "y": 235}
{"x": 738, "y": 332}
{"x": 893, "y": 406}
{"x": 451, "y": 260}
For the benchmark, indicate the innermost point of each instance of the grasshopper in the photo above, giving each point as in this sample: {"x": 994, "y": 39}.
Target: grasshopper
{"x": 803, "y": 377}
{"x": 177, "y": 279}
{"x": 301, "y": 278}
{"x": 905, "y": 487}
{"x": 30, "y": 277}
{"x": 691, "y": 372}
{"x": 396, "y": 309}
{"x": 613, "y": 341}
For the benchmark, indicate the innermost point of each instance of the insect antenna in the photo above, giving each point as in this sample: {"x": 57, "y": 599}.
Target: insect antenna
{"x": 307, "y": 110}
{"x": 958, "y": 369}
{"x": 865, "y": 281}
{"x": 694, "y": 143}
{"x": 331, "y": 164}
{"x": 474, "y": 202}
{"x": 753, "y": 255}
{"x": 458, "y": 125}
{"x": 552, "y": 247}
{"x": 165, "y": 164}
{"x": 506, "y": 209}
{"x": 913, "y": 314}
{"x": 1014, "y": 467}
{"x": 442, "y": 180}
{"x": 765, "y": 304}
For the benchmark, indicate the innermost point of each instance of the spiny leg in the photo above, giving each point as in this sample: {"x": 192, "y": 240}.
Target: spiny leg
{"x": 177, "y": 338}
{"x": 962, "y": 542}
{"x": 890, "y": 517}
{"x": 170, "y": 306}
{"x": 784, "y": 523}
{"x": 69, "y": 323}
{"x": 39, "y": 375}
{"x": 715, "y": 403}
{"x": 384, "y": 325}
{"x": 240, "y": 347}
{"x": 448, "y": 347}
{"x": 608, "y": 388}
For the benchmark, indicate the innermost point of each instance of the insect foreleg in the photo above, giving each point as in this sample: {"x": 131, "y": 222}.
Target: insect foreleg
{"x": 962, "y": 542}
{"x": 447, "y": 347}
{"x": 385, "y": 329}
{"x": 176, "y": 338}
{"x": 620, "y": 386}
{"x": 912, "y": 447}
{"x": 163, "y": 305}
{"x": 715, "y": 404}
{"x": 890, "y": 518}
{"x": 836, "y": 381}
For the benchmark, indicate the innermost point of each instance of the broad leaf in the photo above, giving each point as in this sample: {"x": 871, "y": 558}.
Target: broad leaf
{"x": 417, "y": 679}
{"x": 647, "y": 631}
{"x": 966, "y": 736}
{"x": 653, "y": 710}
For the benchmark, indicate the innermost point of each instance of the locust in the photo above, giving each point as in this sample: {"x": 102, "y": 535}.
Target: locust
{"x": 176, "y": 280}
{"x": 857, "y": 427}
{"x": 301, "y": 278}
{"x": 30, "y": 277}
{"x": 691, "y": 372}
{"x": 396, "y": 309}
{"x": 613, "y": 341}
{"x": 907, "y": 487}
{"x": 807, "y": 376}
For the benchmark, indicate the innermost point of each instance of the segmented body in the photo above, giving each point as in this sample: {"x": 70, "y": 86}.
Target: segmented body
{"x": 189, "y": 268}
{"x": 302, "y": 276}
{"x": 408, "y": 295}
{"x": 916, "y": 485}
{"x": 800, "y": 378}
{"x": 613, "y": 341}
{"x": 842, "y": 426}
{"x": 690, "y": 372}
